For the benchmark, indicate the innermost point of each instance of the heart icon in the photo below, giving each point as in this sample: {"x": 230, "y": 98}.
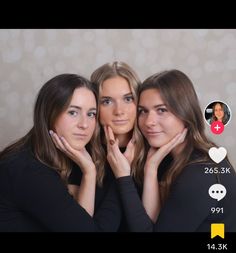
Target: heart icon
{"x": 217, "y": 154}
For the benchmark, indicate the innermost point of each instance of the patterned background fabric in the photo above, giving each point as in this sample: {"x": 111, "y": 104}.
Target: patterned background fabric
{"x": 30, "y": 57}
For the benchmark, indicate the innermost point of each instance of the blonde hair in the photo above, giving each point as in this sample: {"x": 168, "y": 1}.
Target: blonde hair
{"x": 107, "y": 71}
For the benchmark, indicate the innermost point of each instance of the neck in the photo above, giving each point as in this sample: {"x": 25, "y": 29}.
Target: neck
{"x": 124, "y": 139}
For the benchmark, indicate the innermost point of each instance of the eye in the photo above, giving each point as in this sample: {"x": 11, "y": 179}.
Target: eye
{"x": 73, "y": 113}
{"x": 106, "y": 101}
{"x": 141, "y": 111}
{"x": 129, "y": 99}
{"x": 92, "y": 114}
{"x": 161, "y": 110}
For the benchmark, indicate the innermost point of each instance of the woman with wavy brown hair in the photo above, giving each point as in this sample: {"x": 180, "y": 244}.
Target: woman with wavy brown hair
{"x": 220, "y": 113}
{"x": 176, "y": 171}
{"x": 35, "y": 194}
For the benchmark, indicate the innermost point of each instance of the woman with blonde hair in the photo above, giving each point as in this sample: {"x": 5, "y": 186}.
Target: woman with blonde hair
{"x": 117, "y": 85}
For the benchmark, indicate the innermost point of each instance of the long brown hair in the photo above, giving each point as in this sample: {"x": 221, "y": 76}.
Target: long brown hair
{"x": 223, "y": 106}
{"x": 107, "y": 71}
{"x": 177, "y": 92}
{"x": 53, "y": 98}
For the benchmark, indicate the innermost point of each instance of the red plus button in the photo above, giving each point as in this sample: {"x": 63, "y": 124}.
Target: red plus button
{"x": 217, "y": 127}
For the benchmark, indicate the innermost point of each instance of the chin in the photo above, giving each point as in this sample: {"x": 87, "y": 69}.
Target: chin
{"x": 78, "y": 146}
{"x": 118, "y": 131}
{"x": 156, "y": 143}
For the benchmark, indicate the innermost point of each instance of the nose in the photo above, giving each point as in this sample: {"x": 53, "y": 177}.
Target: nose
{"x": 83, "y": 122}
{"x": 151, "y": 119}
{"x": 118, "y": 108}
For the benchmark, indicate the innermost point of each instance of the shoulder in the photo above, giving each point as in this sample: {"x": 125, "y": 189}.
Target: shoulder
{"x": 24, "y": 164}
{"x": 199, "y": 176}
{"x": 194, "y": 178}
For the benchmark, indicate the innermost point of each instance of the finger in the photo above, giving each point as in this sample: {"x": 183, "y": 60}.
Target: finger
{"x": 152, "y": 150}
{"x": 130, "y": 147}
{"x": 67, "y": 146}
{"x": 105, "y": 131}
{"x": 57, "y": 141}
{"x": 170, "y": 145}
{"x": 112, "y": 140}
{"x": 129, "y": 152}
{"x": 178, "y": 139}
{"x": 113, "y": 146}
{"x": 53, "y": 139}
{"x": 107, "y": 138}
{"x": 110, "y": 134}
{"x": 85, "y": 153}
{"x": 183, "y": 135}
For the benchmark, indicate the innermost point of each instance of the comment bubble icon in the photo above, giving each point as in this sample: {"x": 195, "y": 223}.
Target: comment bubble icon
{"x": 217, "y": 191}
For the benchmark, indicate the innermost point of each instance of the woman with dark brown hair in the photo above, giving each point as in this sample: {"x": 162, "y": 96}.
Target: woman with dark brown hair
{"x": 34, "y": 173}
{"x": 176, "y": 172}
{"x": 219, "y": 113}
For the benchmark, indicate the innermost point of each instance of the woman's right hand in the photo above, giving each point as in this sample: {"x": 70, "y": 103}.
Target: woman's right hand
{"x": 80, "y": 157}
{"x": 119, "y": 163}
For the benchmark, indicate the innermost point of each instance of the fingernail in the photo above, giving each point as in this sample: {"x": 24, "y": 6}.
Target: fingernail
{"x": 112, "y": 142}
{"x": 50, "y": 132}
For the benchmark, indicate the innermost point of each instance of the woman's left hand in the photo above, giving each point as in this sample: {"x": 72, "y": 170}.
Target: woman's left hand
{"x": 130, "y": 149}
{"x": 156, "y": 155}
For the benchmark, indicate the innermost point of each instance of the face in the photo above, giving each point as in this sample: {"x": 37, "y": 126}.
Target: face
{"x": 156, "y": 122}
{"x": 117, "y": 106}
{"x": 219, "y": 112}
{"x": 77, "y": 123}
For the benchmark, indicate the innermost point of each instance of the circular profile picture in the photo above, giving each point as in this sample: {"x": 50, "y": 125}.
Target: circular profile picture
{"x": 217, "y": 111}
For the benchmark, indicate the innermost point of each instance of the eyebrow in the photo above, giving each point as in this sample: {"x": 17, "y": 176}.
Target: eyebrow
{"x": 125, "y": 95}
{"x": 80, "y": 108}
{"x": 128, "y": 94}
{"x": 155, "y": 106}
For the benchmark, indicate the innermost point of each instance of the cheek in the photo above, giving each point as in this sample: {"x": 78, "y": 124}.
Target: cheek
{"x": 175, "y": 127}
{"x": 104, "y": 116}
{"x": 140, "y": 123}
{"x": 92, "y": 127}
{"x": 132, "y": 112}
{"x": 61, "y": 126}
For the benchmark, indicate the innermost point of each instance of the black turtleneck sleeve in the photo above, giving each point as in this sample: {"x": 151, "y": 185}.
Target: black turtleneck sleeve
{"x": 188, "y": 206}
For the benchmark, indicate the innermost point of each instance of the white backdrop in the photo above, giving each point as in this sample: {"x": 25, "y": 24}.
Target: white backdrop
{"x": 30, "y": 57}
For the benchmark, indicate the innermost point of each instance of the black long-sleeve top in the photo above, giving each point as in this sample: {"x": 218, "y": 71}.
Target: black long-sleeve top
{"x": 34, "y": 198}
{"x": 101, "y": 191}
{"x": 188, "y": 207}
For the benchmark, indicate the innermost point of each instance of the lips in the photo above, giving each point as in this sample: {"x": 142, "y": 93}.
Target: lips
{"x": 154, "y": 133}
{"x": 81, "y": 136}
{"x": 119, "y": 122}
